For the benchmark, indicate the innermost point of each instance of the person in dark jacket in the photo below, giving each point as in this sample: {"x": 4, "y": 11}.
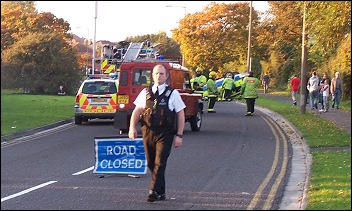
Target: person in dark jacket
{"x": 161, "y": 111}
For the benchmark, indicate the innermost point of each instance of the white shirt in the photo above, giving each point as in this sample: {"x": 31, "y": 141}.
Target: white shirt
{"x": 175, "y": 102}
{"x": 326, "y": 90}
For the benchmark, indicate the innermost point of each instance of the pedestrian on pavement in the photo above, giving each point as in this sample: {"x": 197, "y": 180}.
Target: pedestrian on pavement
{"x": 322, "y": 84}
{"x": 295, "y": 82}
{"x": 212, "y": 92}
{"x": 306, "y": 79}
{"x": 325, "y": 91}
{"x": 265, "y": 82}
{"x": 313, "y": 88}
{"x": 336, "y": 90}
{"x": 249, "y": 92}
{"x": 160, "y": 109}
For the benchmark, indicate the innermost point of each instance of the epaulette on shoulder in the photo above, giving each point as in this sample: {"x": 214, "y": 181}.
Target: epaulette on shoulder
{"x": 168, "y": 91}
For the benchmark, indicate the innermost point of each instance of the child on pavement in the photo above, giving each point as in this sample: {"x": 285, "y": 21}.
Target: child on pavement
{"x": 325, "y": 92}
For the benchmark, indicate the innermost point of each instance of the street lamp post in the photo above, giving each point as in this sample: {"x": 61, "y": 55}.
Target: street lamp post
{"x": 183, "y": 57}
{"x": 303, "y": 91}
{"x": 86, "y": 45}
{"x": 95, "y": 36}
{"x": 249, "y": 39}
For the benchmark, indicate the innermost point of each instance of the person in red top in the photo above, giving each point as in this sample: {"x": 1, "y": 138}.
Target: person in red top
{"x": 295, "y": 82}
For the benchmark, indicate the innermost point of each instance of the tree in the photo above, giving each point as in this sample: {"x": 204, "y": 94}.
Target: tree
{"x": 19, "y": 18}
{"x": 43, "y": 61}
{"x": 329, "y": 22}
{"x": 215, "y": 36}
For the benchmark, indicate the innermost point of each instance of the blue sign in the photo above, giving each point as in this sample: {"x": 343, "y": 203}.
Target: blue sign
{"x": 119, "y": 155}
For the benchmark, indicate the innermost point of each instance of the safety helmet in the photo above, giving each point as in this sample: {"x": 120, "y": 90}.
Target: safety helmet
{"x": 212, "y": 74}
{"x": 199, "y": 70}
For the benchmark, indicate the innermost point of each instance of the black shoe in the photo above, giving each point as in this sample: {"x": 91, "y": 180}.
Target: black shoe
{"x": 211, "y": 111}
{"x": 295, "y": 103}
{"x": 154, "y": 196}
{"x": 248, "y": 114}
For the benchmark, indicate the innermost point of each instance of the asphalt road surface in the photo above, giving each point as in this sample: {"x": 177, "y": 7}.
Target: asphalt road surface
{"x": 234, "y": 162}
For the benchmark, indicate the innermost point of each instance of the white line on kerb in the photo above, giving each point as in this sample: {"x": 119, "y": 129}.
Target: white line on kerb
{"x": 26, "y": 191}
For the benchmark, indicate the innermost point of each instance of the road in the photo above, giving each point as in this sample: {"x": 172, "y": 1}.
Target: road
{"x": 234, "y": 162}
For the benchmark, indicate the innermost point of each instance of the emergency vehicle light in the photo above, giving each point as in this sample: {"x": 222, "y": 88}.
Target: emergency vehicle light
{"x": 103, "y": 76}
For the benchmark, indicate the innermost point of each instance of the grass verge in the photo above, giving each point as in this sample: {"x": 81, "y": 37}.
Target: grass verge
{"x": 20, "y": 112}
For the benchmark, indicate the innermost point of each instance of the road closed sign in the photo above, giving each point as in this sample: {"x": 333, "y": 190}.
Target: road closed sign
{"x": 119, "y": 155}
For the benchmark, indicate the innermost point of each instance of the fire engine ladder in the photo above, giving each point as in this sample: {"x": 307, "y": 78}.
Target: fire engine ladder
{"x": 133, "y": 51}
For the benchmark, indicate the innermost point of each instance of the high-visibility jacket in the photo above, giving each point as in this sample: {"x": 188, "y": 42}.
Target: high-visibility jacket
{"x": 228, "y": 83}
{"x": 249, "y": 87}
{"x": 201, "y": 80}
{"x": 211, "y": 88}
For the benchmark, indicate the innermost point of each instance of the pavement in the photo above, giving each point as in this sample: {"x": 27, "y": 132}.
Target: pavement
{"x": 296, "y": 192}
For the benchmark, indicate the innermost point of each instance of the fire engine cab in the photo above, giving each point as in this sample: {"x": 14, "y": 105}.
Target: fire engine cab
{"x": 135, "y": 74}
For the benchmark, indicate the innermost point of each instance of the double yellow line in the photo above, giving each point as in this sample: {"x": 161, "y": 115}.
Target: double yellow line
{"x": 279, "y": 135}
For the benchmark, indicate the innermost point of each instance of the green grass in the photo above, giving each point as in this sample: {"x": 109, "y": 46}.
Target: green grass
{"x": 330, "y": 184}
{"x": 318, "y": 132}
{"x": 330, "y": 187}
{"x": 20, "y": 112}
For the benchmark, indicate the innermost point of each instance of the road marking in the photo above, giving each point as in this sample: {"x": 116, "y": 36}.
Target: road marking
{"x": 27, "y": 191}
{"x": 274, "y": 188}
{"x": 83, "y": 171}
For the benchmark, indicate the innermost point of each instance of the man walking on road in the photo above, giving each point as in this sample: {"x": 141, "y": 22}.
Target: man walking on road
{"x": 159, "y": 108}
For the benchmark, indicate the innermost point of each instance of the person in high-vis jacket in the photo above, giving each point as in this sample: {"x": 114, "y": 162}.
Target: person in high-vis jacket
{"x": 228, "y": 85}
{"x": 199, "y": 81}
{"x": 249, "y": 92}
{"x": 212, "y": 92}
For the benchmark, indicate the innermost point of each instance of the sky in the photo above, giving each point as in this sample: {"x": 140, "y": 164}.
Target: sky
{"x": 116, "y": 20}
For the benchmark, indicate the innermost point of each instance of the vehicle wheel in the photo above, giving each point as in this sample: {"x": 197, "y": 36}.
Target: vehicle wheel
{"x": 78, "y": 120}
{"x": 85, "y": 119}
{"x": 196, "y": 121}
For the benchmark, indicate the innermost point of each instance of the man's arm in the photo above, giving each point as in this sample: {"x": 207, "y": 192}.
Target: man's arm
{"x": 132, "y": 133}
{"x": 180, "y": 128}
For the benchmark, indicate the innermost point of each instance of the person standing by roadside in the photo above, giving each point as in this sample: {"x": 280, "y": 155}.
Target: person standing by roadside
{"x": 265, "y": 82}
{"x": 159, "y": 108}
{"x": 212, "y": 92}
{"x": 325, "y": 90}
{"x": 61, "y": 91}
{"x": 249, "y": 92}
{"x": 336, "y": 90}
{"x": 295, "y": 82}
{"x": 322, "y": 84}
{"x": 313, "y": 88}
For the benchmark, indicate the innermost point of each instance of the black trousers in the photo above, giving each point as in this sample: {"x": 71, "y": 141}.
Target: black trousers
{"x": 250, "y": 104}
{"x": 227, "y": 94}
{"x": 157, "y": 147}
{"x": 211, "y": 103}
